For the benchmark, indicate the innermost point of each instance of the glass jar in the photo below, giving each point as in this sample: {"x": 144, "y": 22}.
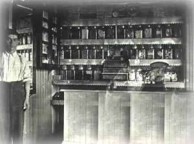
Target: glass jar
{"x": 148, "y": 32}
{"x": 88, "y": 73}
{"x": 129, "y": 32}
{"x": 150, "y": 52}
{"x": 121, "y": 32}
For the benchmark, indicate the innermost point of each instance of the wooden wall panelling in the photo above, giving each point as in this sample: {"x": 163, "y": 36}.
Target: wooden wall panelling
{"x": 43, "y": 117}
{"x": 147, "y": 118}
{"x": 114, "y": 118}
{"x": 80, "y": 117}
{"x": 189, "y": 48}
{"x": 179, "y": 118}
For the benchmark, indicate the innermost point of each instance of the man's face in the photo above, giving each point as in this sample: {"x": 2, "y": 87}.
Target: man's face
{"x": 12, "y": 43}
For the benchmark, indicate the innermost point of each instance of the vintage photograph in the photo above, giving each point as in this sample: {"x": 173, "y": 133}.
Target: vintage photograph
{"x": 96, "y": 72}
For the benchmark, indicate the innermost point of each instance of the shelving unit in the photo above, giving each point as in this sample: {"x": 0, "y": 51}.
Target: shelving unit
{"x": 24, "y": 29}
{"x": 139, "y": 41}
{"x": 47, "y": 38}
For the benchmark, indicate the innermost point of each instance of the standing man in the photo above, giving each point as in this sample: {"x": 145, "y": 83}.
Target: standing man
{"x": 15, "y": 88}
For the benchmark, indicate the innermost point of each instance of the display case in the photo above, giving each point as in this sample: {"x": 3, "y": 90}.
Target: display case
{"x": 132, "y": 47}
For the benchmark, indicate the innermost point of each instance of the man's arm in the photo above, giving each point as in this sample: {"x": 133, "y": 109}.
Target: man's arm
{"x": 27, "y": 91}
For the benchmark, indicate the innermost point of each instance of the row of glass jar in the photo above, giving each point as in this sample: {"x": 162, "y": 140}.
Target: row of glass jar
{"x": 88, "y": 72}
{"x": 125, "y": 51}
{"x": 25, "y": 38}
{"x": 122, "y": 31}
{"x": 81, "y": 72}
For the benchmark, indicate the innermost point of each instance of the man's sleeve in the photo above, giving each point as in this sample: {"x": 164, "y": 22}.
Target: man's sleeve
{"x": 27, "y": 72}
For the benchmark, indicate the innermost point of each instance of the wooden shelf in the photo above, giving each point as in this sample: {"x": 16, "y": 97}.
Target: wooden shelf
{"x": 151, "y": 41}
{"x": 115, "y": 83}
{"x": 81, "y": 61}
{"x": 25, "y": 47}
{"x": 139, "y": 84}
{"x": 24, "y": 30}
{"x": 132, "y": 62}
{"x": 147, "y": 62}
{"x": 123, "y": 21}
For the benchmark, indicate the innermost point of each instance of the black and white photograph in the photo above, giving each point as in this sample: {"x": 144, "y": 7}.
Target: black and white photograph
{"x": 96, "y": 72}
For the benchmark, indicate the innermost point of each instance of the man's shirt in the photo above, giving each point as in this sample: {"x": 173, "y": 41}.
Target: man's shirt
{"x": 14, "y": 67}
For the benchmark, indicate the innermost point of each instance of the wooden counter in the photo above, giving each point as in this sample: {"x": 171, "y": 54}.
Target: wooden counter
{"x": 112, "y": 117}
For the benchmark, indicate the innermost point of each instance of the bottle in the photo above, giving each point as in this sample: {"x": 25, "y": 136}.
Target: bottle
{"x": 75, "y": 32}
{"x": 150, "y": 52}
{"x": 84, "y": 33}
{"x": 129, "y": 32}
{"x": 99, "y": 54}
{"x": 64, "y": 72}
{"x": 168, "y": 52}
{"x": 168, "y": 31}
{"x": 30, "y": 58}
{"x": 75, "y": 52}
{"x": 133, "y": 52}
{"x": 67, "y": 52}
{"x": 24, "y": 39}
{"x": 121, "y": 32}
{"x": 29, "y": 38}
{"x": 97, "y": 73}
{"x": 79, "y": 73}
{"x": 141, "y": 52}
{"x": 159, "y": 54}
{"x": 177, "y": 30}
{"x": 101, "y": 33}
{"x": 91, "y": 52}
{"x": 88, "y": 73}
{"x": 92, "y": 32}
{"x": 139, "y": 76}
{"x": 109, "y": 32}
{"x": 177, "y": 52}
{"x": 139, "y": 32}
{"x": 132, "y": 75}
{"x": 31, "y": 55}
{"x": 85, "y": 52}
{"x": 148, "y": 32}
{"x": 158, "y": 31}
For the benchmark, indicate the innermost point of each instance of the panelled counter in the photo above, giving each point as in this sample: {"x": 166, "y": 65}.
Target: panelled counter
{"x": 108, "y": 116}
